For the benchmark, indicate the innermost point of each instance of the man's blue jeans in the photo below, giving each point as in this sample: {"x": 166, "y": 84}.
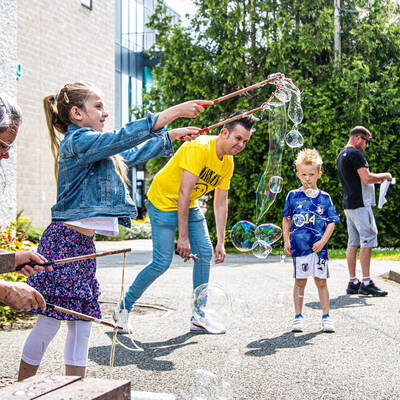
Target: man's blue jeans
{"x": 163, "y": 228}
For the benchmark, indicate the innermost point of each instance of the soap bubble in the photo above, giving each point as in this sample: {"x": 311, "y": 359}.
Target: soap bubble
{"x": 268, "y": 233}
{"x": 275, "y": 184}
{"x": 262, "y": 249}
{"x": 210, "y": 306}
{"x": 243, "y": 235}
{"x": 294, "y": 138}
{"x": 298, "y": 220}
{"x": 313, "y": 193}
{"x": 295, "y": 111}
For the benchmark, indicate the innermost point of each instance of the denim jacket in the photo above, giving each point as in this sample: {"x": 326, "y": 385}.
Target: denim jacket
{"x": 88, "y": 183}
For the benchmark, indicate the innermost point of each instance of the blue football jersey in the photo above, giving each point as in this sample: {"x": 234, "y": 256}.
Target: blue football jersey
{"x": 309, "y": 216}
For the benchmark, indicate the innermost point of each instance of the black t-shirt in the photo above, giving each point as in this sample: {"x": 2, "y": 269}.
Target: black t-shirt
{"x": 355, "y": 192}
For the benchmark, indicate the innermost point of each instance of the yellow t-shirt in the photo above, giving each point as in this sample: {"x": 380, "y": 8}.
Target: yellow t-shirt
{"x": 198, "y": 157}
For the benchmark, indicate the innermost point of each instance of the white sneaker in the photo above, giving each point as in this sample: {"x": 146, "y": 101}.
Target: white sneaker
{"x": 121, "y": 318}
{"x": 297, "y": 324}
{"x": 206, "y": 326}
{"x": 327, "y": 325}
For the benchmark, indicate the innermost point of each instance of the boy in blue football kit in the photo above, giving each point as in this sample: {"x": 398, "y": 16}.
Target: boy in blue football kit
{"x": 309, "y": 219}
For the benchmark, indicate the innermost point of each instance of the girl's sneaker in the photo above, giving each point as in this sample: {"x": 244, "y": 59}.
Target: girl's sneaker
{"x": 121, "y": 318}
{"x": 327, "y": 325}
{"x": 298, "y": 324}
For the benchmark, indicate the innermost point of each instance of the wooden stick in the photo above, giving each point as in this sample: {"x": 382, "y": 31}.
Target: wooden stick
{"x": 78, "y": 258}
{"x": 270, "y": 78}
{"x": 231, "y": 119}
{"x": 83, "y": 316}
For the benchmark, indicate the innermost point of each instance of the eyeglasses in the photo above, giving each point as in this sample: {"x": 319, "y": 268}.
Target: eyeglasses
{"x": 5, "y": 147}
{"x": 364, "y": 138}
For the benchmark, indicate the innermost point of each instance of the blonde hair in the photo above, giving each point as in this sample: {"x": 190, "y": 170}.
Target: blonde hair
{"x": 309, "y": 157}
{"x": 57, "y": 110}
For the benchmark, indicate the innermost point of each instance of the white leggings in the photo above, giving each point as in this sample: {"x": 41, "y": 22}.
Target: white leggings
{"x": 76, "y": 344}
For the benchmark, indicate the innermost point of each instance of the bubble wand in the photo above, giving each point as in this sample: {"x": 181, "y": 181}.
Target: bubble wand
{"x": 78, "y": 258}
{"x": 82, "y": 316}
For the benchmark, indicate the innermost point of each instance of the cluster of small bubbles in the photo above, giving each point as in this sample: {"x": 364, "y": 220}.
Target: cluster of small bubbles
{"x": 210, "y": 306}
{"x": 298, "y": 220}
{"x": 294, "y": 138}
{"x": 262, "y": 249}
{"x": 312, "y": 193}
{"x": 275, "y": 184}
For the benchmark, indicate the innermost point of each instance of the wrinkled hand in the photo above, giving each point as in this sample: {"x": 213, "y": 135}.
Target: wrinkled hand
{"x": 318, "y": 246}
{"x": 187, "y": 134}
{"x": 183, "y": 248}
{"x": 21, "y": 297}
{"x": 192, "y": 108}
{"x": 29, "y": 257}
{"x": 287, "y": 249}
{"x": 220, "y": 253}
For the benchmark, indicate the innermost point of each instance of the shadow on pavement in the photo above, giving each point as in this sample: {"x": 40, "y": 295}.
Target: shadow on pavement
{"x": 288, "y": 340}
{"x": 143, "y": 359}
{"x": 342, "y": 302}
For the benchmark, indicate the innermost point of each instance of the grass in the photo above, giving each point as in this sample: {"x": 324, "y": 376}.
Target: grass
{"x": 378, "y": 253}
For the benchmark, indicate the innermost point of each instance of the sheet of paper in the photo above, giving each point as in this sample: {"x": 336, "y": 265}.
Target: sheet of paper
{"x": 383, "y": 190}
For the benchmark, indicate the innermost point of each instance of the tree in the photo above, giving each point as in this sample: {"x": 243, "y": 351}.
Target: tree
{"x": 234, "y": 43}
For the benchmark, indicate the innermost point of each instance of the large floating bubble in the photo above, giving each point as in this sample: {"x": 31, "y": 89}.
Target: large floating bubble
{"x": 243, "y": 235}
{"x": 294, "y": 138}
{"x": 295, "y": 110}
{"x": 262, "y": 249}
{"x": 298, "y": 220}
{"x": 269, "y": 233}
{"x": 275, "y": 184}
{"x": 211, "y": 307}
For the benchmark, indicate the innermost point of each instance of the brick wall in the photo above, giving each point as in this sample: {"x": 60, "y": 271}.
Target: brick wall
{"x": 8, "y": 66}
{"x": 59, "y": 41}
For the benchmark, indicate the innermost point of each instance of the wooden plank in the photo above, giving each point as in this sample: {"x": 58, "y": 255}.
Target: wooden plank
{"x": 7, "y": 262}
{"x": 36, "y": 386}
{"x": 91, "y": 389}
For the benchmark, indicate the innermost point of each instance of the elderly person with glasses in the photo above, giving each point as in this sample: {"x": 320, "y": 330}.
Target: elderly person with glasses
{"x": 17, "y": 295}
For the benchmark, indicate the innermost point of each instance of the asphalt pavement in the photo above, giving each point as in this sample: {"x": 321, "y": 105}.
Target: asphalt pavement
{"x": 259, "y": 358}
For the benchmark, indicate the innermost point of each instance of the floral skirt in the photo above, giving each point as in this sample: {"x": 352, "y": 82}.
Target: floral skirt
{"x": 70, "y": 285}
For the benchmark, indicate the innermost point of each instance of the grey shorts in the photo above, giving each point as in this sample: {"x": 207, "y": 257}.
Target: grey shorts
{"x": 361, "y": 227}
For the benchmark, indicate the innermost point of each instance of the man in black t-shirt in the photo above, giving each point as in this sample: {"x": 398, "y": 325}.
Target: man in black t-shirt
{"x": 358, "y": 200}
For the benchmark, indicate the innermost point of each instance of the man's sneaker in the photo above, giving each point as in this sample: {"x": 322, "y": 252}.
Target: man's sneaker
{"x": 372, "y": 290}
{"x": 121, "y": 318}
{"x": 352, "y": 288}
{"x": 297, "y": 324}
{"x": 196, "y": 327}
{"x": 327, "y": 325}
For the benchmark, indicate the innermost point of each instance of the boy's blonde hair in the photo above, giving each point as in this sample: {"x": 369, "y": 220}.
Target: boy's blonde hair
{"x": 309, "y": 157}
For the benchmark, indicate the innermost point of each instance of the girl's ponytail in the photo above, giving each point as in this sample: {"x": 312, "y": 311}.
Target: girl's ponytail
{"x": 55, "y": 126}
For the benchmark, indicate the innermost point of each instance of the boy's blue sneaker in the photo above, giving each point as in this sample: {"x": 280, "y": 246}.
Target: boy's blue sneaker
{"x": 298, "y": 324}
{"x": 196, "y": 327}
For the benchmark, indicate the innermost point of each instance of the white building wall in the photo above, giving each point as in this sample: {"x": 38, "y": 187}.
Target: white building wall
{"x": 8, "y": 85}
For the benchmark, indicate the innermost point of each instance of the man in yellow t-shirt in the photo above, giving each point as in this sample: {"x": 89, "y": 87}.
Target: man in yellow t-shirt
{"x": 197, "y": 168}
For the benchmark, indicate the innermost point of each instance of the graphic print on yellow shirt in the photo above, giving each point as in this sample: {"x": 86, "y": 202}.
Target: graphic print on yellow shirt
{"x": 199, "y": 157}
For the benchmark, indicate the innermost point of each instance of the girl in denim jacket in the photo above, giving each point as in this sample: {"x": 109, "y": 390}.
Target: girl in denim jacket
{"x": 91, "y": 198}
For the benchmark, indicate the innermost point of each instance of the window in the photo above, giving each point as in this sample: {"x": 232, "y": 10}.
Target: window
{"x": 87, "y": 4}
